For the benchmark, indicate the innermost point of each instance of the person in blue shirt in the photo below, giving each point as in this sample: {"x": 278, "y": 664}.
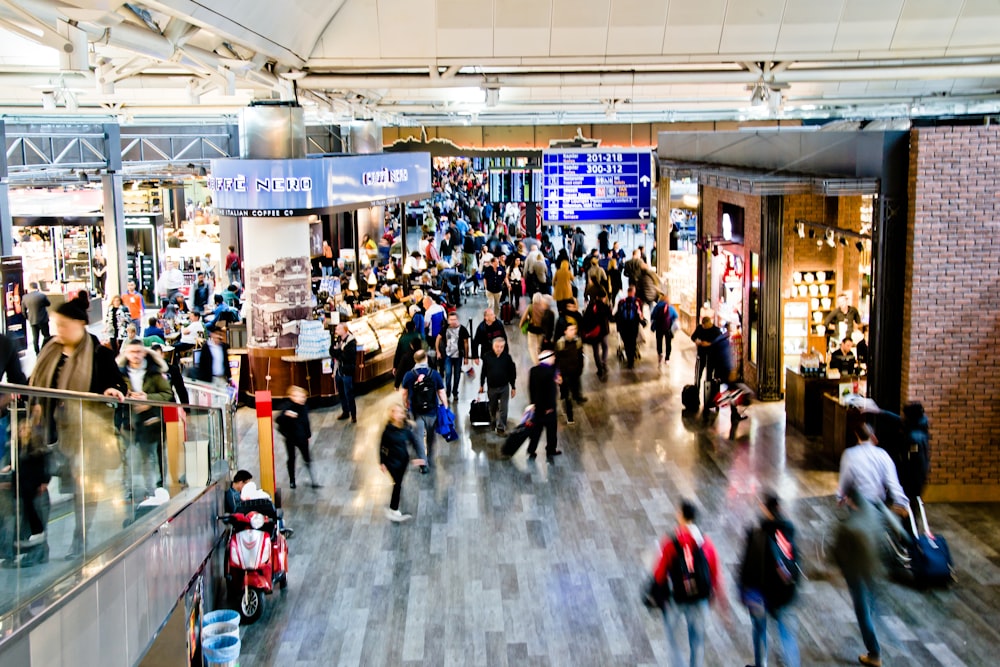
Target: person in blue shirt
{"x": 662, "y": 321}
{"x": 154, "y": 330}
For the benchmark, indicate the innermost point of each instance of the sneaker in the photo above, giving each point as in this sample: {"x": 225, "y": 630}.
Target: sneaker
{"x": 581, "y": 399}
{"x": 555, "y": 452}
{"x": 34, "y": 540}
{"x": 870, "y": 661}
{"x": 569, "y": 421}
{"x": 501, "y": 430}
{"x": 424, "y": 470}
{"x": 316, "y": 486}
{"x": 532, "y": 456}
{"x": 343, "y": 417}
{"x": 396, "y": 516}
{"x": 354, "y": 419}
{"x": 291, "y": 484}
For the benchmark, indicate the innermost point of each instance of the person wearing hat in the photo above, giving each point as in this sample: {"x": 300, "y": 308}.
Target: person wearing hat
{"x": 74, "y": 360}
{"x": 542, "y": 383}
{"x": 213, "y": 362}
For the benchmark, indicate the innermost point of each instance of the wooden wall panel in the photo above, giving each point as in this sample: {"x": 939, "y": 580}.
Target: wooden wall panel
{"x": 510, "y": 136}
{"x": 471, "y": 136}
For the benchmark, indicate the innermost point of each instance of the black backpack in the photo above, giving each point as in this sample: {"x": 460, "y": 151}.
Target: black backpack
{"x": 782, "y": 569}
{"x": 423, "y": 396}
{"x": 690, "y": 578}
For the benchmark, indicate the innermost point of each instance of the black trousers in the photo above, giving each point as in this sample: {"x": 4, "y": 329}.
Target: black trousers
{"x": 545, "y": 421}
{"x": 303, "y": 447}
{"x": 664, "y": 339}
{"x": 40, "y": 330}
{"x": 397, "y": 486}
{"x": 569, "y": 390}
{"x": 629, "y": 336}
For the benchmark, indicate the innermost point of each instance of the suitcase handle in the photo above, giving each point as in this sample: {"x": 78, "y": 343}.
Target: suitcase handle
{"x": 923, "y": 518}
{"x": 913, "y": 522}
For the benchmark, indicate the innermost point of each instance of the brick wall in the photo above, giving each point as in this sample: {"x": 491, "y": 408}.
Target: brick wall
{"x": 713, "y": 198}
{"x": 951, "y": 358}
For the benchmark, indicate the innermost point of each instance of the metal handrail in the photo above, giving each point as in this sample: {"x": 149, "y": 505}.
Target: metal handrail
{"x": 28, "y": 390}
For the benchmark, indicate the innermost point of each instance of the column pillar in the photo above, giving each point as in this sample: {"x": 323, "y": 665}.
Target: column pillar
{"x": 6, "y": 220}
{"x": 663, "y": 226}
{"x": 116, "y": 250}
{"x": 769, "y": 351}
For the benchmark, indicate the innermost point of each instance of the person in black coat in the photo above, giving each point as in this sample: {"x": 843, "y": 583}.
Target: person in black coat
{"x": 909, "y": 447}
{"x": 762, "y": 590}
{"x": 397, "y": 441}
{"x": 213, "y": 360}
{"x": 293, "y": 424}
{"x": 37, "y": 306}
{"x": 345, "y": 352}
{"x": 542, "y": 383}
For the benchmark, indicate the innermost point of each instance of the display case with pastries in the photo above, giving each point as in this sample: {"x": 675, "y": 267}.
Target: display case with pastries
{"x": 377, "y": 335}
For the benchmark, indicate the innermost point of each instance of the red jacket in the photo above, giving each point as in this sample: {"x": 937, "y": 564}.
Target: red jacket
{"x": 668, "y": 553}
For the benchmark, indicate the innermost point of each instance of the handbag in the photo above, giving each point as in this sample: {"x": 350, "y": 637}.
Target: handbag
{"x": 524, "y": 326}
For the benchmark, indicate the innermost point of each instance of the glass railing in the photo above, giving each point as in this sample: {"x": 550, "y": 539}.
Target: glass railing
{"x": 83, "y": 476}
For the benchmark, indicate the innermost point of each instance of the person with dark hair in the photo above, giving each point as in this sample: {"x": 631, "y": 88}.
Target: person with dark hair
{"x": 408, "y": 343}
{"x": 689, "y": 568}
{"x": 909, "y": 447}
{"x": 767, "y": 585}
{"x": 235, "y": 487}
{"x": 213, "y": 361}
{"x": 233, "y": 265}
{"x": 154, "y": 330}
{"x": 144, "y": 372}
{"x": 869, "y": 468}
{"x": 628, "y": 317}
{"x": 543, "y": 379}
{"x": 344, "y": 350}
{"x": 36, "y": 304}
{"x": 856, "y": 552}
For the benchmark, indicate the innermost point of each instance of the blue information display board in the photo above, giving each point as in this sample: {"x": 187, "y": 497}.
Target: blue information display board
{"x": 597, "y": 185}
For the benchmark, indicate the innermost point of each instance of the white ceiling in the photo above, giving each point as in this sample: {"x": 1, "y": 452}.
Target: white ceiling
{"x": 430, "y": 61}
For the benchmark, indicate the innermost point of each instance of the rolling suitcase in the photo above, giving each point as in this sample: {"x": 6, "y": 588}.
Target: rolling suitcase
{"x": 930, "y": 558}
{"x": 690, "y": 399}
{"x": 507, "y": 312}
{"x": 479, "y": 411}
{"x": 515, "y": 439}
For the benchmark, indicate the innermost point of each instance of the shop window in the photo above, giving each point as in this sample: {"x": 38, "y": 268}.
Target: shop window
{"x": 731, "y": 223}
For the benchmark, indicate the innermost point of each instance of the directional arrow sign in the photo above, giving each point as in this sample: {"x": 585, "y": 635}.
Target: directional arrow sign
{"x": 596, "y": 185}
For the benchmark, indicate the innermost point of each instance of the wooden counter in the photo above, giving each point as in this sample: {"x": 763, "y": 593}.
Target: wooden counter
{"x": 804, "y": 400}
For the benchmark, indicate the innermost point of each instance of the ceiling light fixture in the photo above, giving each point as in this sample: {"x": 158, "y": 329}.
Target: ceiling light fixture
{"x": 830, "y": 239}
{"x": 860, "y": 246}
{"x": 801, "y": 230}
{"x": 843, "y": 241}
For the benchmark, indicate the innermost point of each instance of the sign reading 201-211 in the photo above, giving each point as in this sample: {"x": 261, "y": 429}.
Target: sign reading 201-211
{"x": 597, "y": 185}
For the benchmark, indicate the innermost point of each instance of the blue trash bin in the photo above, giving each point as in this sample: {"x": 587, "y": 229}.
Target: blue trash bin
{"x": 221, "y": 650}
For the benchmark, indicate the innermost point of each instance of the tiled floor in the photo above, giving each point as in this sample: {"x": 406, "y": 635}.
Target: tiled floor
{"x": 511, "y": 562}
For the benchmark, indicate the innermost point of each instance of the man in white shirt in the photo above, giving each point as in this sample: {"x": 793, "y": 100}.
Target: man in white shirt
{"x": 869, "y": 469}
{"x": 191, "y": 333}
{"x": 171, "y": 281}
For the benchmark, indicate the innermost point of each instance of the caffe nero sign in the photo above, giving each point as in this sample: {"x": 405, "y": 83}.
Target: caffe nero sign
{"x": 288, "y": 188}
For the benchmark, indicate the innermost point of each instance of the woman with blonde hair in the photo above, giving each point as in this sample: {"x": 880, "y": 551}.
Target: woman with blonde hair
{"x": 398, "y": 440}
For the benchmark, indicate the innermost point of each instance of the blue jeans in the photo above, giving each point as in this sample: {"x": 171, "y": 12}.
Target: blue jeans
{"x": 863, "y": 594}
{"x": 452, "y": 374}
{"x": 786, "y": 635}
{"x": 694, "y": 614}
{"x": 345, "y": 387}
{"x": 423, "y": 429}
